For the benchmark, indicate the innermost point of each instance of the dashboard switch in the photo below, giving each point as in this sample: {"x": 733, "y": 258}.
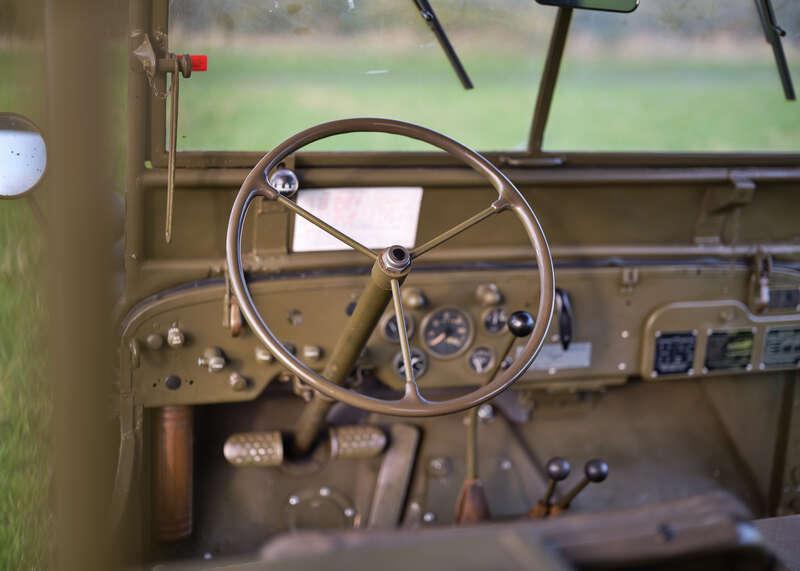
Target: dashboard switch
{"x": 488, "y": 294}
{"x": 312, "y": 352}
{"x": 175, "y": 337}
{"x": 212, "y": 359}
{"x": 238, "y": 382}
{"x": 263, "y": 355}
{"x": 414, "y": 298}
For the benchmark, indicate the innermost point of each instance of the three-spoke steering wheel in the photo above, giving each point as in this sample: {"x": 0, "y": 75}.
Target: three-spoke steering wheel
{"x": 390, "y": 267}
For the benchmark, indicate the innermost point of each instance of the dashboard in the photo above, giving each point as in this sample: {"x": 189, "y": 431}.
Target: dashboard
{"x": 655, "y": 321}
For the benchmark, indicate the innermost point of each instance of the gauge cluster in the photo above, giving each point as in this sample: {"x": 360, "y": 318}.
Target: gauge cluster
{"x": 457, "y": 332}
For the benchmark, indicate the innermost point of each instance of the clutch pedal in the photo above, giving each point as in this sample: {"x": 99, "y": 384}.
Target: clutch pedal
{"x": 261, "y": 449}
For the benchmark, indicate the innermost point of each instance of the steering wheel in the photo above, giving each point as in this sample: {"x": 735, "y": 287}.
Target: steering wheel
{"x": 390, "y": 267}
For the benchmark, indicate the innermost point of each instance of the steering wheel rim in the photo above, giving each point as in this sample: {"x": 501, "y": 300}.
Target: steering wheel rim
{"x": 509, "y": 198}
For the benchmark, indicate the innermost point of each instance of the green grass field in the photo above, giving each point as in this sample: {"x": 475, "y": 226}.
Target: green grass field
{"x": 251, "y": 100}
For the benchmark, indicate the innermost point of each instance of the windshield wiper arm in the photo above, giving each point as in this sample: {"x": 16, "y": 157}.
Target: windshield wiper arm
{"x": 427, "y": 13}
{"x": 774, "y": 34}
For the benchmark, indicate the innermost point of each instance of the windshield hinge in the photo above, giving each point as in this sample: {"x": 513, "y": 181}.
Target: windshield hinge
{"x": 761, "y": 269}
{"x": 718, "y": 221}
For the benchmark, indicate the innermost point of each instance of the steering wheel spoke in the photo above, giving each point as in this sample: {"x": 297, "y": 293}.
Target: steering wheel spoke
{"x": 411, "y": 387}
{"x": 498, "y": 206}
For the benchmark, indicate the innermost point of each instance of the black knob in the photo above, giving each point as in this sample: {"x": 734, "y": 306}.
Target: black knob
{"x": 172, "y": 382}
{"x": 521, "y": 323}
{"x": 596, "y": 470}
{"x": 558, "y": 468}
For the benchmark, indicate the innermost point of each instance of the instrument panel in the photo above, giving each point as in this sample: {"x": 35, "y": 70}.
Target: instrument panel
{"x": 184, "y": 346}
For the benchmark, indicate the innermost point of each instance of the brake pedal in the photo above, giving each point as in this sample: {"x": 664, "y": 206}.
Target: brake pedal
{"x": 357, "y": 442}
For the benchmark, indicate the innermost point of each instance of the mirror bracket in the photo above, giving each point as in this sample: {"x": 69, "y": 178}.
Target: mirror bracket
{"x": 624, "y": 6}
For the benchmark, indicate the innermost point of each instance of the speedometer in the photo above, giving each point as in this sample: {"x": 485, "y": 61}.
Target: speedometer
{"x": 447, "y": 332}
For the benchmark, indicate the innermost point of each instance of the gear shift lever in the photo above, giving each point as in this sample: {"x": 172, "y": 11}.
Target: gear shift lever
{"x": 595, "y": 470}
{"x": 557, "y": 469}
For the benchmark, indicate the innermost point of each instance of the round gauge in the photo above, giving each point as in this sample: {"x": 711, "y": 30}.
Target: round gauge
{"x": 495, "y": 320}
{"x": 481, "y": 359}
{"x": 419, "y": 363}
{"x": 389, "y": 328}
{"x": 447, "y": 332}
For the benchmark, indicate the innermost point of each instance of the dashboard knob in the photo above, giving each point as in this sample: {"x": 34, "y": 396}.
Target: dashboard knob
{"x": 488, "y": 294}
{"x": 212, "y": 359}
{"x": 154, "y": 341}
{"x": 238, "y": 382}
{"x": 175, "y": 337}
{"x": 414, "y": 298}
{"x": 521, "y": 323}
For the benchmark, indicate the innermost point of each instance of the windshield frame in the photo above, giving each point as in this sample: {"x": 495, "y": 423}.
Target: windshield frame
{"x": 532, "y": 157}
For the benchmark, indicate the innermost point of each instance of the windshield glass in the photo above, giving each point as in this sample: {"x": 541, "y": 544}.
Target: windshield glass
{"x": 676, "y": 76}
{"x": 276, "y": 67}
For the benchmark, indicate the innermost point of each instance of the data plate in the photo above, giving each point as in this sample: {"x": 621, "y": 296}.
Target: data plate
{"x": 377, "y": 217}
{"x": 781, "y": 347}
{"x": 726, "y": 350}
{"x": 553, "y": 356}
{"x": 674, "y": 353}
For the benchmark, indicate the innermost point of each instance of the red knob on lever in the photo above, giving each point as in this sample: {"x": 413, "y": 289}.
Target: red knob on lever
{"x": 199, "y": 62}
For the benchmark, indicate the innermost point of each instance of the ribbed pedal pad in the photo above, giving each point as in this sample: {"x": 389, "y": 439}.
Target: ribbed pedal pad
{"x": 254, "y": 449}
{"x": 356, "y": 442}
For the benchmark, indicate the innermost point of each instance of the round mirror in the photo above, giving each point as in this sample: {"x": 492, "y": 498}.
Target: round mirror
{"x": 23, "y": 156}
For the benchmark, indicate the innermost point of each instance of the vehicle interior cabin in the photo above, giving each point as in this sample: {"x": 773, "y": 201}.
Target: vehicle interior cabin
{"x": 458, "y": 284}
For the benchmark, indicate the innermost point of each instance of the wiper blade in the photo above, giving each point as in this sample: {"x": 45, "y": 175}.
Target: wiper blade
{"x": 427, "y": 13}
{"x": 774, "y": 34}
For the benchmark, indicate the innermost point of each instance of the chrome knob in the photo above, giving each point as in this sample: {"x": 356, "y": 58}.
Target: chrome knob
{"x": 154, "y": 341}
{"x": 285, "y": 182}
{"x": 175, "y": 337}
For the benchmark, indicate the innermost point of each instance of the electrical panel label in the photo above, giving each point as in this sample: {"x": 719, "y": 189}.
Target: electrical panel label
{"x": 727, "y": 350}
{"x": 782, "y": 347}
{"x": 674, "y": 353}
